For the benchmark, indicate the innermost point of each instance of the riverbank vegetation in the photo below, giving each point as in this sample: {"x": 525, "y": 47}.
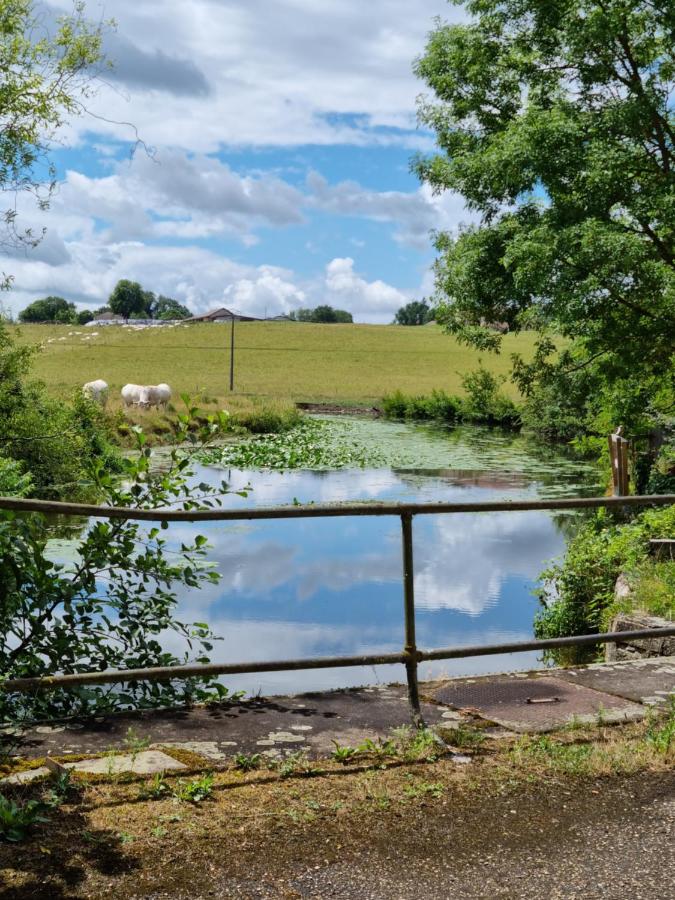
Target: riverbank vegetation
{"x": 483, "y": 403}
{"x": 576, "y": 243}
{"x": 113, "y": 604}
{"x": 578, "y": 594}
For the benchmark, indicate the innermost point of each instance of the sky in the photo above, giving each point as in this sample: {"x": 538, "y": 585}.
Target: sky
{"x": 274, "y": 168}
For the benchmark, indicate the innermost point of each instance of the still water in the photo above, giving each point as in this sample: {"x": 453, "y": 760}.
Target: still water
{"x": 333, "y": 587}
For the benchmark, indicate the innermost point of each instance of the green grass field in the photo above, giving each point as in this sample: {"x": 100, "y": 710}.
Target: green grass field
{"x": 350, "y": 364}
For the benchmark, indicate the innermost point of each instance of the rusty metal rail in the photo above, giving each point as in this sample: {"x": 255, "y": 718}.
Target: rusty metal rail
{"x": 411, "y": 656}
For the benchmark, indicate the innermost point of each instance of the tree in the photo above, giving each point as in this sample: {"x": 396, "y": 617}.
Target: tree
{"x": 128, "y": 297}
{"x": 49, "y": 309}
{"x": 44, "y": 79}
{"x": 84, "y": 316}
{"x": 556, "y": 124}
{"x": 321, "y": 314}
{"x": 417, "y": 312}
{"x": 168, "y": 308}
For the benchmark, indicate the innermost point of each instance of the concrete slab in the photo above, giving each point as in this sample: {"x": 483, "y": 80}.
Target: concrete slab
{"x": 26, "y": 777}
{"x": 147, "y": 762}
{"x": 648, "y": 681}
{"x": 536, "y": 704}
{"x": 278, "y": 726}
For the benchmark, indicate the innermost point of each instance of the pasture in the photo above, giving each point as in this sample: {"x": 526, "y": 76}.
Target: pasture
{"x": 279, "y": 361}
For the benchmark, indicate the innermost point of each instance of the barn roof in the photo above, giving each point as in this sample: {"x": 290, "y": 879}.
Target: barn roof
{"x": 221, "y": 313}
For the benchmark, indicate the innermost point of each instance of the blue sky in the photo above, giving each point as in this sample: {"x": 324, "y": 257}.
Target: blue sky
{"x": 275, "y": 170}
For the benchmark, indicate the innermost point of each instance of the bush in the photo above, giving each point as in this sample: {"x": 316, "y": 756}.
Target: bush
{"x": 485, "y": 404}
{"x": 577, "y": 594}
{"x": 56, "y": 444}
{"x": 13, "y": 482}
{"x": 112, "y": 606}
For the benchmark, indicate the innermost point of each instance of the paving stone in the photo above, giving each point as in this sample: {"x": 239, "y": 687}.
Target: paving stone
{"x": 640, "y": 680}
{"x": 536, "y": 704}
{"x": 26, "y": 776}
{"x": 209, "y": 749}
{"x": 147, "y": 762}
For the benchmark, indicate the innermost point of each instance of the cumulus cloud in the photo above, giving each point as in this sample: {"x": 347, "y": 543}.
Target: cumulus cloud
{"x": 413, "y": 214}
{"x": 286, "y": 73}
{"x": 175, "y": 195}
{"x": 348, "y": 290}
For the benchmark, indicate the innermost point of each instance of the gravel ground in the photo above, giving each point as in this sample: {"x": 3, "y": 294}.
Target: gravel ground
{"x": 613, "y": 845}
{"x": 608, "y": 837}
{"x": 611, "y": 839}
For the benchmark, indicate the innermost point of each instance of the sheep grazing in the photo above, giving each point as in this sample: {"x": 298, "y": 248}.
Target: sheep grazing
{"x": 146, "y": 395}
{"x": 96, "y": 391}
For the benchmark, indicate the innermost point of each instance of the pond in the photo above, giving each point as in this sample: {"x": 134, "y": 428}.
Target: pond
{"x": 313, "y": 587}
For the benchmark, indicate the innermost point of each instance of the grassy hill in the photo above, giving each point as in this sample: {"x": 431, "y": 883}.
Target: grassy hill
{"x": 351, "y": 364}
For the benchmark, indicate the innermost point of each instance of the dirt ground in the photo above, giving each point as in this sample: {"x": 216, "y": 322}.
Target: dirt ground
{"x": 540, "y": 817}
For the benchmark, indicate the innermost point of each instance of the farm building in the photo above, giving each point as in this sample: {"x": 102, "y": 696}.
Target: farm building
{"x": 222, "y": 315}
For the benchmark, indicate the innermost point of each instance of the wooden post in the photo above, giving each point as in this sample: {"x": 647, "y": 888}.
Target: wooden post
{"x": 618, "y": 456}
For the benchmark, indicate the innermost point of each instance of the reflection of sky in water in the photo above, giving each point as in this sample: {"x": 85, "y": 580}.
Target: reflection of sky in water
{"x": 321, "y": 587}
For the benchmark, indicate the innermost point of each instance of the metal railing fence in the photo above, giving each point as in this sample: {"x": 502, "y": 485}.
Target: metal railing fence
{"x": 410, "y": 656}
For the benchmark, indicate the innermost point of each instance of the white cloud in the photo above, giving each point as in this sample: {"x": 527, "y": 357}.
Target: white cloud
{"x": 348, "y": 290}
{"x": 202, "y": 74}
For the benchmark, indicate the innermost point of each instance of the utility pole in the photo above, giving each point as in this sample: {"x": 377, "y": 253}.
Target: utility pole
{"x": 232, "y": 354}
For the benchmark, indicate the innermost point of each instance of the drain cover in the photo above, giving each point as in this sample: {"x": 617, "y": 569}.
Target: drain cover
{"x": 536, "y": 704}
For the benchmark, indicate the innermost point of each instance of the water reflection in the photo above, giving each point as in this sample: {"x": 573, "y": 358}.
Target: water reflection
{"x": 314, "y": 587}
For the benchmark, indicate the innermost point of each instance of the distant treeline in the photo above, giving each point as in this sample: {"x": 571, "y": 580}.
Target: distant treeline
{"x": 128, "y": 300}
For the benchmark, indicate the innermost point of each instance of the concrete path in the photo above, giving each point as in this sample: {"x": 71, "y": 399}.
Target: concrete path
{"x": 520, "y": 702}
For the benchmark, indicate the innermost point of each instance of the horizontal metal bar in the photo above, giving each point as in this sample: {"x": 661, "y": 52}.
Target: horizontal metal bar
{"x": 171, "y": 673}
{"x": 198, "y": 670}
{"x": 547, "y": 644}
{"x": 326, "y": 510}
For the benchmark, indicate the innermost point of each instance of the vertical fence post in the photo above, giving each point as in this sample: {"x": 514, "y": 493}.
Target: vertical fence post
{"x": 410, "y": 648}
{"x": 232, "y": 353}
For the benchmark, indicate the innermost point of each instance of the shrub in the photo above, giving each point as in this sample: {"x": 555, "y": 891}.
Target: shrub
{"x": 111, "y": 606}
{"x": 486, "y": 403}
{"x": 578, "y": 593}
{"x": 56, "y": 444}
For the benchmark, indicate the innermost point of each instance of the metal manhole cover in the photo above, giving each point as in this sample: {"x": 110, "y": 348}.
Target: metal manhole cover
{"x": 536, "y": 704}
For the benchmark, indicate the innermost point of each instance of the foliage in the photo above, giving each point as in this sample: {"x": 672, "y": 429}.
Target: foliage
{"x": 111, "y": 606}
{"x": 168, "y": 308}
{"x": 311, "y": 444}
{"x": 578, "y": 593}
{"x": 662, "y": 476}
{"x": 661, "y": 735}
{"x": 17, "y": 819}
{"x": 195, "y": 791}
{"x": 555, "y": 124}
{"x": 484, "y": 404}
{"x": 321, "y": 314}
{"x": 127, "y": 298}
{"x": 49, "y": 309}
{"x": 417, "y": 312}
{"x": 13, "y": 481}
{"x": 247, "y": 762}
{"x": 45, "y": 78}
{"x": 52, "y": 441}
{"x": 84, "y": 316}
